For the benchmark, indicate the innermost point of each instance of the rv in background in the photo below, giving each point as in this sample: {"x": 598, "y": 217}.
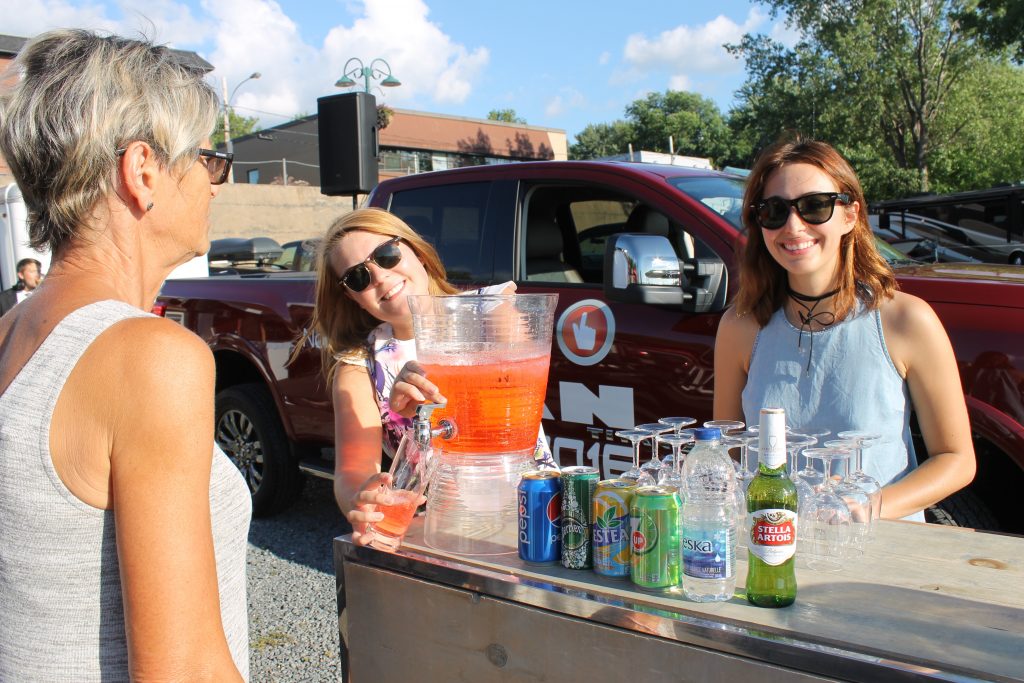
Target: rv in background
{"x": 987, "y": 225}
{"x": 14, "y": 237}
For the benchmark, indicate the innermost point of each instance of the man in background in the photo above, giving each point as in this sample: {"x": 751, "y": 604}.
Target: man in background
{"x": 29, "y": 275}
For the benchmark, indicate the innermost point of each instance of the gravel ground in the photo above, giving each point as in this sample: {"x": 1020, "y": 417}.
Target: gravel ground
{"x": 293, "y": 617}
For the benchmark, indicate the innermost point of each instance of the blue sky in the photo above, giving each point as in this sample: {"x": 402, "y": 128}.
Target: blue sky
{"x": 562, "y": 64}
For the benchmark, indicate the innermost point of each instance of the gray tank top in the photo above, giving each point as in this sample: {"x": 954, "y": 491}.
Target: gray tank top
{"x": 61, "y": 613}
{"x": 842, "y": 379}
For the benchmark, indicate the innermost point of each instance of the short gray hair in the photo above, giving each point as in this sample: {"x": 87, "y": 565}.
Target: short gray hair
{"x": 81, "y": 96}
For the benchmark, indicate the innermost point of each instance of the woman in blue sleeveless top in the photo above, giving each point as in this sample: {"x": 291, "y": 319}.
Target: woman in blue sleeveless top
{"x": 819, "y": 329}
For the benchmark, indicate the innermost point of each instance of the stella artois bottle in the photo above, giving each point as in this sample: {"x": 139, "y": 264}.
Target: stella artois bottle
{"x": 772, "y": 519}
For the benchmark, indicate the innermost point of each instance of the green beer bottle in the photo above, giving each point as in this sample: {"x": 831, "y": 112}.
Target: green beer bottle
{"x": 771, "y": 519}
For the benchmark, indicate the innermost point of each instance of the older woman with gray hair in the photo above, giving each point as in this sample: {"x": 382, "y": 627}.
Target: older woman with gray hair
{"x": 122, "y": 527}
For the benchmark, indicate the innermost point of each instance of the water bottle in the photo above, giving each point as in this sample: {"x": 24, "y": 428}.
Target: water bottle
{"x": 709, "y": 520}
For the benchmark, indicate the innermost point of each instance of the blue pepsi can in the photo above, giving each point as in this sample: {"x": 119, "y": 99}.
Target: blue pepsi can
{"x": 540, "y": 517}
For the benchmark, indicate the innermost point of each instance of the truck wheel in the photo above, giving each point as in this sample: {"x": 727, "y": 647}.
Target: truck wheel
{"x": 963, "y": 508}
{"x": 1017, "y": 258}
{"x": 249, "y": 431}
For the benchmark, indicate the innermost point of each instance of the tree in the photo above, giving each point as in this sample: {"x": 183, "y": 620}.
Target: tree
{"x": 694, "y": 123}
{"x": 889, "y": 65}
{"x": 240, "y": 125}
{"x": 602, "y": 140}
{"x": 999, "y": 24}
{"x": 506, "y": 115}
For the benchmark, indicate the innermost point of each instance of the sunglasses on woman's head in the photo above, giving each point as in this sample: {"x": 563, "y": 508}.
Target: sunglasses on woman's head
{"x": 815, "y": 208}
{"x": 386, "y": 256}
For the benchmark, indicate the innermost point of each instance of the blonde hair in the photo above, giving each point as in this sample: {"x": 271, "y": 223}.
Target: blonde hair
{"x": 863, "y": 272}
{"x": 80, "y": 97}
{"x": 341, "y": 325}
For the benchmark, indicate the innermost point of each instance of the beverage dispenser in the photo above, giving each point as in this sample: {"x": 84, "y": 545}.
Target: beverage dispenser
{"x": 489, "y": 355}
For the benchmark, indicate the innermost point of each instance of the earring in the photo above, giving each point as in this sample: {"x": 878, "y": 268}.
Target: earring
{"x": 149, "y": 207}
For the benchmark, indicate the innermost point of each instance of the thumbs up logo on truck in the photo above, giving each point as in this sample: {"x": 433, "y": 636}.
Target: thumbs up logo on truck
{"x": 585, "y": 332}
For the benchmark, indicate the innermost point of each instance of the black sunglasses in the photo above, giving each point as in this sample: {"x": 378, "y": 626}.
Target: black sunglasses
{"x": 218, "y": 164}
{"x": 815, "y": 208}
{"x": 386, "y": 256}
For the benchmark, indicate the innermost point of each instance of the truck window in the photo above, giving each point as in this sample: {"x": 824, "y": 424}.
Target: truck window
{"x": 566, "y": 229}
{"x": 451, "y": 217}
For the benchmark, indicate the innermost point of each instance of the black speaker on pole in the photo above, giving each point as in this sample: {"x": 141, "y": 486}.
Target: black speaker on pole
{"x": 348, "y": 143}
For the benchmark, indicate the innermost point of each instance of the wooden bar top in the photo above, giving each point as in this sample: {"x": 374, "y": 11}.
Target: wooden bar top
{"x": 942, "y": 602}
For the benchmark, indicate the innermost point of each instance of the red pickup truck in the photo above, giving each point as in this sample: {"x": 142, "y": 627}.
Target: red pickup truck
{"x": 642, "y": 257}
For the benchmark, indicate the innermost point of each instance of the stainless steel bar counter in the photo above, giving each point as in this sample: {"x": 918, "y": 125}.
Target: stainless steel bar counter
{"x": 924, "y": 602}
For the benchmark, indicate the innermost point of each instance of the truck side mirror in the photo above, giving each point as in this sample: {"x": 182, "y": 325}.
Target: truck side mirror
{"x": 640, "y": 268}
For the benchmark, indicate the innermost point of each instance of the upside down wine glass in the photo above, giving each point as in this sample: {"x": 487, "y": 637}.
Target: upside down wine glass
{"x": 858, "y": 476}
{"x": 672, "y": 475}
{"x": 827, "y": 517}
{"x": 634, "y": 436}
{"x": 677, "y": 424}
{"x": 649, "y": 470}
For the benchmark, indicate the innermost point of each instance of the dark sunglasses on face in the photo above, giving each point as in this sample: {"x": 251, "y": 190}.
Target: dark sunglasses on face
{"x": 218, "y": 164}
{"x": 815, "y": 208}
{"x": 386, "y": 256}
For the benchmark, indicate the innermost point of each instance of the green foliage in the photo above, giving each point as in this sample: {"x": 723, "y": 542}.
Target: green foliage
{"x": 879, "y": 78}
{"x": 602, "y": 140}
{"x": 998, "y": 24}
{"x": 506, "y": 115}
{"x": 694, "y": 123}
{"x": 240, "y": 125}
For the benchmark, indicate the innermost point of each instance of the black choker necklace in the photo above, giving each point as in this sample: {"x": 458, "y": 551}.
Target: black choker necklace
{"x": 807, "y": 316}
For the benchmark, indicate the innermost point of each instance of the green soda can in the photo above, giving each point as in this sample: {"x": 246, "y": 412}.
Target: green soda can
{"x": 578, "y": 484}
{"x": 611, "y": 530}
{"x": 654, "y": 521}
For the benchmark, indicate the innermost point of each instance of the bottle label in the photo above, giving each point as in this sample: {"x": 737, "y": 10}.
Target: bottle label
{"x": 706, "y": 553}
{"x": 772, "y": 535}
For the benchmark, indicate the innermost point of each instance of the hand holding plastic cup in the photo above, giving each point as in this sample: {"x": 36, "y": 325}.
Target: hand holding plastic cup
{"x": 411, "y": 470}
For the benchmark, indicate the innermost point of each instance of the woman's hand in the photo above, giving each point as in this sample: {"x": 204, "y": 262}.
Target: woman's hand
{"x": 412, "y": 388}
{"x": 375, "y": 491}
{"x": 363, "y": 510}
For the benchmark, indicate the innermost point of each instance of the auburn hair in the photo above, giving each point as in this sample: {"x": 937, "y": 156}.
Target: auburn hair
{"x": 863, "y": 273}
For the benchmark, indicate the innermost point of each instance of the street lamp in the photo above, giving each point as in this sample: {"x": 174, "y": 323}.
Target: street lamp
{"x": 378, "y": 70}
{"x": 227, "y": 105}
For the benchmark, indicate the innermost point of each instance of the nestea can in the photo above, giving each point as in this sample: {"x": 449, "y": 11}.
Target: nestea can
{"x": 540, "y": 517}
{"x": 611, "y": 527}
{"x": 655, "y": 521}
{"x": 578, "y": 484}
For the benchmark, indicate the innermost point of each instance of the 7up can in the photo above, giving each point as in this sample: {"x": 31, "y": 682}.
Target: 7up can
{"x": 611, "y": 529}
{"x": 578, "y": 484}
{"x": 654, "y": 521}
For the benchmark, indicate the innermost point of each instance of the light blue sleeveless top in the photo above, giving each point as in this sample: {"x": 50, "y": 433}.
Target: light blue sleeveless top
{"x": 838, "y": 378}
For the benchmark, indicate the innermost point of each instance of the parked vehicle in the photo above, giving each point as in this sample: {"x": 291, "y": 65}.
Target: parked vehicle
{"x": 985, "y": 224}
{"x": 920, "y": 238}
{"x": 642, "y": 257}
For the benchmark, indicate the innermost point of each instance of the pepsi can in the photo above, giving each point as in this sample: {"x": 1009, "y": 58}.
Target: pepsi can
{"x": 540, "y": 517}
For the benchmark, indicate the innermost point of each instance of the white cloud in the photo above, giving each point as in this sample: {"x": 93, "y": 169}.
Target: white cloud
{"x": 784, "y": 34}
{"x": 427, "y": 61}
{"x": 693, "y": 50}
{"x": 35, "y": 16}
{"x": 680, "y": 82}
{"x": 604, "y": 58}
{"x": 568, "y": 98}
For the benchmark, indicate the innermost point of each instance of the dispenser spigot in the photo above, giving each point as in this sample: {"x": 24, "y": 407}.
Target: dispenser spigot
{"x": 422, "y": 432}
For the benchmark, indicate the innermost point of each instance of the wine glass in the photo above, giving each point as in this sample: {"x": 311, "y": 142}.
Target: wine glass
{"x": 634, "y": 436}
{"x": 857, "y": 475}
{"x": 724, "y": 426}
{"x": 808, "y": 473}
{"x": 672, "y": 475}
{"x": 649, "y": 470}
{"x": 859, "y": 503}
{"x": 677, "y": 424}
{"x": 827, "y": 516}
